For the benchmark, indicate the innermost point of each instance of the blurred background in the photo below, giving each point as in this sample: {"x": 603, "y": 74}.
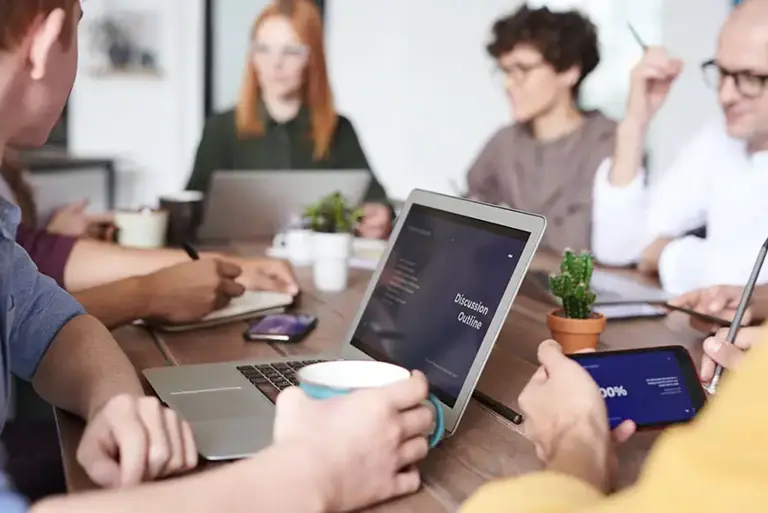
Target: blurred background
{"x": 413, "y": 75}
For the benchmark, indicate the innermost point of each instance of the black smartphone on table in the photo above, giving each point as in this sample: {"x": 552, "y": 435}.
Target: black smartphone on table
{"x": 284, "y": 327}
{"x": 655, "y": 387}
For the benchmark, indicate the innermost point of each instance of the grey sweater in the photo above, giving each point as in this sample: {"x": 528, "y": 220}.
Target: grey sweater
{"x": 552, "y": 178}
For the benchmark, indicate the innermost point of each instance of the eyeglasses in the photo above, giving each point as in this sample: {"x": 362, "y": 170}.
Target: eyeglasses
{"x": 749, "y": 84}
{"x": 295, "y": 52}
{"x": 519, "y": 72}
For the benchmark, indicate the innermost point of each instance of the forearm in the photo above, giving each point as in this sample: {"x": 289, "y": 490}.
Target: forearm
{"x": 618, "y": 219}
{"x": 628, "y": 154}
{"x": 691, "y": 263}
{"x": 276, "y": 479}
{"x": 93, "y": 263}
{"x": 118, "y": 303}
{"x": 585, "y": 459}
{"x": 83, "y": 368}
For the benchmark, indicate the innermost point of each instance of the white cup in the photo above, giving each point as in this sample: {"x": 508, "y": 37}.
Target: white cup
{"x": 144, "y": 228}
{"x": 297, "y": 244}
{"x": 330, "y": 255}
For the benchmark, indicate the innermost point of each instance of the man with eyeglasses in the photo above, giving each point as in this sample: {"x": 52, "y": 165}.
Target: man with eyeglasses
{"x": 719, "y": 179}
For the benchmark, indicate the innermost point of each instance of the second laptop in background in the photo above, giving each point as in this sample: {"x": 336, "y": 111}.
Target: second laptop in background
{"x": 248, "y": 205}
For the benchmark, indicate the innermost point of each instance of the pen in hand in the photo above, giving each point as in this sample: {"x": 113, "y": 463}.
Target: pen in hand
{"x": 637, "y": 37}
{"x": 190, "y": 250}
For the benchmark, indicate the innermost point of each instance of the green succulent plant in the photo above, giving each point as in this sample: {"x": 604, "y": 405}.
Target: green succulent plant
{"x": 572, "y": 285}
{"x": 332, "y": 214}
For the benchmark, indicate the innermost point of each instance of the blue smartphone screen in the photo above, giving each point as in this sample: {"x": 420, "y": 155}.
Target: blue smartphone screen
{"x": 281, "y": 324}
{"x": 646, "y": 387}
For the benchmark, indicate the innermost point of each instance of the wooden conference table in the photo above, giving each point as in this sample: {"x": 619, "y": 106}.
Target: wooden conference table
{"x": 485, "y": 446}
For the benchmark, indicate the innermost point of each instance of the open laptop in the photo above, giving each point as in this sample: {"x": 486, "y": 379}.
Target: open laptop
{"x": 436, "y": 302}
{"x": 613, "y": 289}
{"x": 247, "y": 205}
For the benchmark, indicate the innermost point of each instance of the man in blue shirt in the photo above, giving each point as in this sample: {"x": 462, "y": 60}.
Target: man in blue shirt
{"x": 322, "y": 449}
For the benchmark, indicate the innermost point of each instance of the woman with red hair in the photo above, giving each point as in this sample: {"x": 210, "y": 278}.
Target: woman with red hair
{"x": 285, "y": 117}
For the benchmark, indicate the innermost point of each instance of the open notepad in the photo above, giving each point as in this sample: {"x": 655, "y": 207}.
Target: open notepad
{"x": 250, "y": 304}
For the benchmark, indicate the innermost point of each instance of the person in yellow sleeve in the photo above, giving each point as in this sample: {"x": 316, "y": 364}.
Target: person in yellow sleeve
{"x": 717, "y": 463}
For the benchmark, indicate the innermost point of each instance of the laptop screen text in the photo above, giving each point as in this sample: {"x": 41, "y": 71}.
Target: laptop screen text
{"x": 437, "y": 294}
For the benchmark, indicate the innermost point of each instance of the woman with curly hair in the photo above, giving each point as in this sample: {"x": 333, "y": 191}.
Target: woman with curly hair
{"x": 545, "y": 162}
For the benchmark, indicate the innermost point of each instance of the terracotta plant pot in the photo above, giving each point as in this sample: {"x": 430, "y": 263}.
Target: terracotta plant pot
{"x": 575, "y": 334}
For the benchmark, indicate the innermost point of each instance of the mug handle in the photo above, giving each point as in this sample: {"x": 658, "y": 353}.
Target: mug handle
{"x": 279, "y": 240}
{"x": 439, "y": 431}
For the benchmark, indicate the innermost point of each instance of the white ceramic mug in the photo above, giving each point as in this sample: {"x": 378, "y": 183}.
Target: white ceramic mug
{"x": 297, "y": 244}
{"x": 330, "y": 260}
{"x": 145, "y": 228}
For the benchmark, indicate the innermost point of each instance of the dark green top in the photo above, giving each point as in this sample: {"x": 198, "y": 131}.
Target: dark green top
{"x": 285, "y": 146}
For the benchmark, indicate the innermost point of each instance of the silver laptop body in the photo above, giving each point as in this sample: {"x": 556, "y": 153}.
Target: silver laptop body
{"x": 610, "y": 288}
{"x": 449, "y": 327}
{"x": 247, "y": 205}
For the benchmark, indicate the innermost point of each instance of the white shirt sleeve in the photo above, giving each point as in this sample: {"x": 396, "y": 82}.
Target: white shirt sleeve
{"x": 618, "y": 218}
{"x": 691, "y": 263}
{"x": 625, "y": 220}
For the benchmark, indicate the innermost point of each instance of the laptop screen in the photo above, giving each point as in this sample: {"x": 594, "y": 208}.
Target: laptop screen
{"x": 437, "y": 294}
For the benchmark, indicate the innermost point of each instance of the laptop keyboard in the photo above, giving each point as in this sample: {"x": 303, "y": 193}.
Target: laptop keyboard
{"x": 271, "y": 378}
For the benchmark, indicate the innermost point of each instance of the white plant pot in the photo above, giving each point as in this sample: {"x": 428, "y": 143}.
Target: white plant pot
{"x": 330, "y": 260}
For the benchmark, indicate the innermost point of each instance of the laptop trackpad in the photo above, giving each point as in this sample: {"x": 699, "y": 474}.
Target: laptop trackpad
{"x": 218, "y": 404}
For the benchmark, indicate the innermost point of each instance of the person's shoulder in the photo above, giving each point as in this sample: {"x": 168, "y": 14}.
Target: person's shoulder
{"x": 344, "y": 123}
{"x": 600, "y": 126}
{"x": 10, "y": 217}
{"x": 507, "y": 134}
{"x": 221, "y": 120}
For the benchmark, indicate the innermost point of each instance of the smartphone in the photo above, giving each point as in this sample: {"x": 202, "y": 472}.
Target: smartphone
{"x": 285, "y": 327}
{"x": 655, "y": 387}
{"x": 630, "y": 311}
{"x": 711, "y": 319}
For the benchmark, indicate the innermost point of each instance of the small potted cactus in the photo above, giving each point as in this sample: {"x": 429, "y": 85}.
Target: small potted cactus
{"x": 574, "y": 326}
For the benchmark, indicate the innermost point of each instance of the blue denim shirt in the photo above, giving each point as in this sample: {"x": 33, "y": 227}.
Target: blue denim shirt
{"x": 35, "y": 310}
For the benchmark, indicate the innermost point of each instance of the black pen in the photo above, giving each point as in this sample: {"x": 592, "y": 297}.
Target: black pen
{"x": 191, "y": 251}
{"x": 495, "y": 406}
{"x": 637, "y": 37}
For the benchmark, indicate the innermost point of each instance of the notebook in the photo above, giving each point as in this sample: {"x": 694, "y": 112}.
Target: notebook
{"x": 250, "y": 304}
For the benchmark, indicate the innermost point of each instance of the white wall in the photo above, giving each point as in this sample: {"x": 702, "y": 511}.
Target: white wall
{"x": 414, "y": 77}
{"x": 689, "y": 31}
{"x": 232, "y": 26}
{"x": 151, "y": 124}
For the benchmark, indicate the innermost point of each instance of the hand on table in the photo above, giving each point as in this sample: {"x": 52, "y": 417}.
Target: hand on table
{"x": 720, "y": 301}
{"x": 267, "y": 274}
{"x": 567, "y": 420}
{"x": 376, "y": 222}
{"x": 134, "y": 439}
{"x": 187, "y": 292}
{"x": 717, "y": 350}
{"x": 72, "y": 220}
{"x": 649, "y": 260}
{"x": 364, "y": 443}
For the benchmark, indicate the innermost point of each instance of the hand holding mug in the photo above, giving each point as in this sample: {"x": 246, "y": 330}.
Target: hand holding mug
{"x": 365, "y": 442}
